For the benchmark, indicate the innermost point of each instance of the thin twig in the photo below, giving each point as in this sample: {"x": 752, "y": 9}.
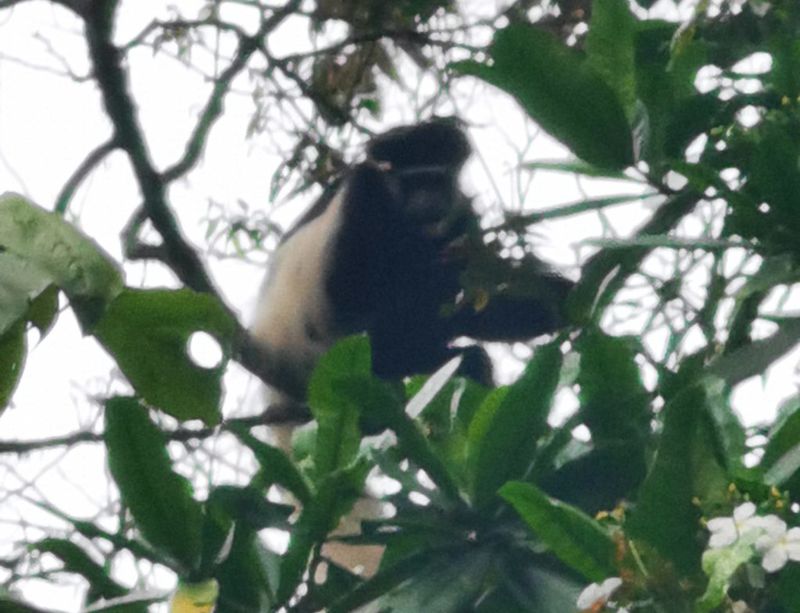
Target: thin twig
{"x": 81, "y": 172}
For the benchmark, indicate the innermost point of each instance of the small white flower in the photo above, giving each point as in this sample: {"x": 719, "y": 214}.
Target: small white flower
{"x": 725, "y": 530}
{"x": 596, "y": 595}
{"x": 740, "y": 606}
{"x": 778, "y": 545}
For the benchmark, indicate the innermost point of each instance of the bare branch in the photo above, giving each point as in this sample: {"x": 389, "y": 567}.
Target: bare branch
{"x": 272, "y": 415}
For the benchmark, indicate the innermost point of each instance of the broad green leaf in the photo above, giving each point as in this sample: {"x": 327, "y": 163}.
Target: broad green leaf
{"x": 653, "y": 88}
{"x": 21, "y": 282}
{"x": 147, "y": 332}
{"x": 248, "y": 505}
{"x": 159, "y": 499}
{"x": 574, "y": 537}
{"x": 720, "y": 565}
{"x": 561, "y": 92}
{"x": 249, "y": 575}
{"x": 526, "y": 586}
{"x": 13, "y": 350}
{"x": 610, "y": 49}
{"x": 55, "y": 248}
{"x": 686, "y": 466}
{"x": 44, "y": 309}
{"x": 505, "y": 430}
{"x": 337, "y": 414}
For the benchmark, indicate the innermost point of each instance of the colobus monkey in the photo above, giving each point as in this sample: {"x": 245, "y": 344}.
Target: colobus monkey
{"x": 384, "y": 254}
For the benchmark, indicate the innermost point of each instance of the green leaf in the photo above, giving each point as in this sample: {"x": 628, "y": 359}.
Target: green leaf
{"x": 610, "y": 49}
{"x": 248, "y": 576}
{"x": 504, "y": 432}
{"x": 147, "y": 332}
{"x": 720, "y": 566}
{"x": 44, "y": 309}
{"x": 76, "y": 560}
{"x": 248, "y": 505}
{"x": 614, "y": 402}
{"x": 576, "y": 208}
{"x": 574, "y": 537}
{"x": 13, "y": 350}
{"x": 685, "y": 467}
{"x": 526, "y": 586}
{"x": 337, "y": 414}
{"x": 159, "y": 499}
{"x": 21, "y": 282}
{"x": 577, "y": 168}
{"x": 53, "y": 247}
{"x": 277, "y": 467}
{"x": 447, "y": 580}
{"x": 561, "y": 92}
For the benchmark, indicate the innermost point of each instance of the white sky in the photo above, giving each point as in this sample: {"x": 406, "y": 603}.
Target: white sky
{"x": 49, "y": 123}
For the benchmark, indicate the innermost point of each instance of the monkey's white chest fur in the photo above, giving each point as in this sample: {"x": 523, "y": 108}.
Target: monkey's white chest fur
{"x": 293, "y": 316}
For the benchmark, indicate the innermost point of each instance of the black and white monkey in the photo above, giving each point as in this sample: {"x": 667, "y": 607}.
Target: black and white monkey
{"x": 384, "y": 254}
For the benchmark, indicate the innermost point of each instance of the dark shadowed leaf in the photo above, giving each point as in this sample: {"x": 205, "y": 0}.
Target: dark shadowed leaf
{"x": 574, "y": 537}
{"x": 614, "y": 402}
{"x": 12, "y": 358}
{"x": 448, "y": 580}
{"x": 248, "y": 576}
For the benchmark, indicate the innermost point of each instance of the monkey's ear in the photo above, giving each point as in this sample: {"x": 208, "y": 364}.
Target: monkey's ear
{"x": 439, "y": 142}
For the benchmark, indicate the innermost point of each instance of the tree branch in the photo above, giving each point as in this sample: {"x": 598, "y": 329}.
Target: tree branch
{"x": 72, "y": 184}
{"x": 272, "y": 415}
{"x": 113, "y": 82}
